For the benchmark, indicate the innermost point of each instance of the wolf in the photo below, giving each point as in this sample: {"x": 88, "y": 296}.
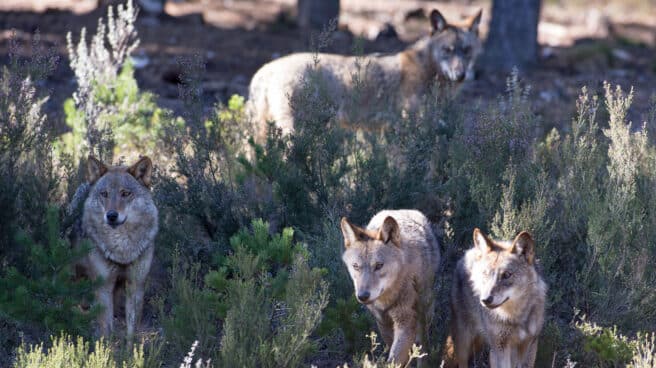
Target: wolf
{"x": 497, "y": 300}
{"x": 446, "y": 55}
{"x": 120, "y": 220}
{"x": 393, "y": 263}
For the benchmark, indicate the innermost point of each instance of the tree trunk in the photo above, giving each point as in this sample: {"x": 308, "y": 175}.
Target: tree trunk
{"x": 513, "y": 36}
{"x": 316, "y": 14}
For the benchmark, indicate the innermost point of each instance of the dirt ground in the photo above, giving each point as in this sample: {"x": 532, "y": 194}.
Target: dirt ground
{"x": 583, "y": 43}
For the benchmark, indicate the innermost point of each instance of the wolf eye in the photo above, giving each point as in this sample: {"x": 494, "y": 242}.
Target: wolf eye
{"x": 448, "y": 49}
{"x": 506, "y": 275}
{"x": 356, "y": 266}
{"x": 125, "y": 193}
{"x": 104, "y": 194}
{"x": 378, "y": 266}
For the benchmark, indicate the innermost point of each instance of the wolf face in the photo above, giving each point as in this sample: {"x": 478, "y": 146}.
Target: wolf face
{"x": 454, "y": 47}
{"x": 118, "y": 192}
{"x": 502, "y": 271}
{"x": 373, "y": 258}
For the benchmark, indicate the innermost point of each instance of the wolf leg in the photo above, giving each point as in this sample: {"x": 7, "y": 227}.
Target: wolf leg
{"x": 500, "y": 357}
{"x": 135, "y": 286}
{"x": 99, "y": 268}
{"x": 404, "y": 337}
{"x": 386, "y": 332}
{"x": 104, "y": 297}
{"x": 531, "y": 352}
{"x": 134, "y": 294}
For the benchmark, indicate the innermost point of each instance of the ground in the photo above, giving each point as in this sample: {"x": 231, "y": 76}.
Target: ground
{"x": 581, "y": 44}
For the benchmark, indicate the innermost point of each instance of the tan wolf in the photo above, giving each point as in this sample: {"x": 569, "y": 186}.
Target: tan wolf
{"x": 120, "y": 219}
{"x": 393, "y": 264}
{"x": 498, "y": 301}
{"x": 447, "y": 55}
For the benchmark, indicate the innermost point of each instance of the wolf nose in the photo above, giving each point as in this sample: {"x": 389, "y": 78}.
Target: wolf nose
{"x": 488, "y": 300}
{"x": 461, "y": 77}
{"x": 364, "y": 296}
{"x": 112, "y": 216}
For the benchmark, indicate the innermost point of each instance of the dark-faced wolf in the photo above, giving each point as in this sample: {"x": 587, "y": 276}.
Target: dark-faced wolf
{"x": 447, "y": 55}
{"x": 120, "y": 219}
{"x": 497, "y": 301}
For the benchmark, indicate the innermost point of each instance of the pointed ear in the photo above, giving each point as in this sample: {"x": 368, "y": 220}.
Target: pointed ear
{"x": 389, "y": 231}
{"x": 474, "y": 21}
{"x": 524, "y": 245}
{"x": 481, "y": 241}
{"x": 348, "y": 232}
{"x": 95, "y": 169}
{"x": 142, "y": 171}
{"x": 438, "y": 23}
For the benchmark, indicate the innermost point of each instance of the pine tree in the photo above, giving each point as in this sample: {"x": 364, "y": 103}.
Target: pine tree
{"x": 46, "y": 294}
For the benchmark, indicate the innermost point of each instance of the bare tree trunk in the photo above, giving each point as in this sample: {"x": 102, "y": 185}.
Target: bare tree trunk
{"x": 513, "y": 36}
{"x": 316, "y": 13}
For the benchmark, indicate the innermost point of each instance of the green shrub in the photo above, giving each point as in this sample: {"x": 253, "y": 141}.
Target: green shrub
{"x": 273, "y": 303}
{"x": 131, "y": 119}
{"x": 193, "y": 314}
{"x": 608, "y": 347}
{"x": 46, "y": 293}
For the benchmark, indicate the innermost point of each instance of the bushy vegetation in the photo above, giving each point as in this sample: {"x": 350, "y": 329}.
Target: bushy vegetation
{"x": 46, "y": 293}
{"x": 273, "y": 292}
{"x": 65, "y": 351}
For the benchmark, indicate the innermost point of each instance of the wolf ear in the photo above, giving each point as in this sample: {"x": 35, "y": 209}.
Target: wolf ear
{"x": 524, "y": 245}
{"x": 481, "y": 241}
{"x": 389, "y": 231}
{"x": 473, "y": 22}
{"x": 438, "y": 23}
{"x": 95, "y": 169}
{"x": 142, "y": 171}
{"x": 348, "y": 232}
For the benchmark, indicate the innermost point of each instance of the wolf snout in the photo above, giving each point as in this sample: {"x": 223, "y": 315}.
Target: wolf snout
{"x": 487, "y": 301}
{"x": 363, "y": 296}
{"x": 113, "y": 218}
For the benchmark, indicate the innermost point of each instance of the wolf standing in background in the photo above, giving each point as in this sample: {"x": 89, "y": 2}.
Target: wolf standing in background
{"x": 120, "y": 220}
{"x": 447, "y": 55}
{"x": 393, "y": 264}
{"x": 497, "y": 300}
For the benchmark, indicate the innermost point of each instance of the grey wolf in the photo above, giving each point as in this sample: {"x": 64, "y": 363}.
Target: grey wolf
{"x": 120, "y": 219}
{"x": 393, "y": 263}
{"x": 497, "y": 300}
{"x": 446, "y": 55}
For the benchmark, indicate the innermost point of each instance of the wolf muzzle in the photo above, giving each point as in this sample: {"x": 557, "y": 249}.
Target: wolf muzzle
{"x": 112, "y": 219}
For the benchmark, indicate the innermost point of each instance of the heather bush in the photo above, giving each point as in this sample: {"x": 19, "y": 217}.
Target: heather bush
{"x": 107, "y": 114}
{"x": 66, "y": 351}
{"x": 193, "y": 313}
{"x": 374, "y": 359}
{"x": 28, "y": 181}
